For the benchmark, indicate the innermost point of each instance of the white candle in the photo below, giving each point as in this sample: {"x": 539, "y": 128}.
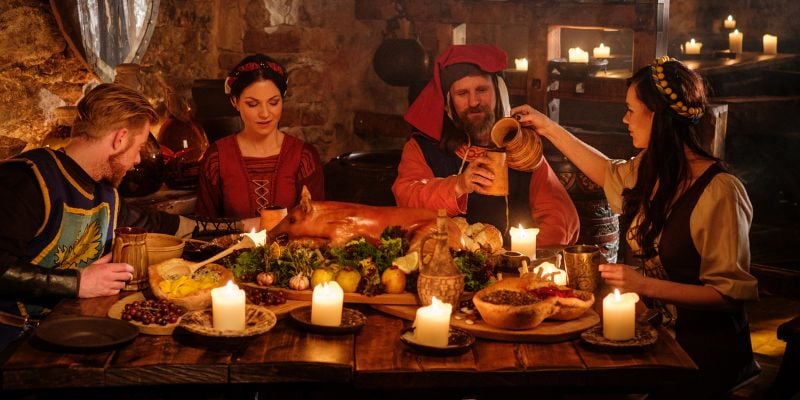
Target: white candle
{"x": 770, "y": 44}
{"x": 326, "y": 304}
{"x": 576, "y": 55}
{"x": 730, "y": 23}
{"x": 521, "y": 64}
{"x": 619, "y": 315}
{"x": 602, "y": 51}
{"x": 185, "y": 144}
{"x": 735, "y": 41}
{"x": 692, "y": 47}
{"x": 228, "y": 308}
{"x": 559, "y": 277}
{"x": 432, "y": 323}
{"x": 523, "y": 240}
{"x": 259, "y": 238}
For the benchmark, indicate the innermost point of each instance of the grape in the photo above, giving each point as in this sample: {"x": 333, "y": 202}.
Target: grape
{"x": 160, "y": 312}
{"x": 265, "y": 297}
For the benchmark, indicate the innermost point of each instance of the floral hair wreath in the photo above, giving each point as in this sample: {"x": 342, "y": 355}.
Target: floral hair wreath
{"x": 675, "y": 102}
{"x": 268, "y": 66}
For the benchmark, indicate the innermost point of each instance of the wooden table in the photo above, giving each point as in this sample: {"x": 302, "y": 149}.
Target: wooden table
{"x": 372, "y": 360}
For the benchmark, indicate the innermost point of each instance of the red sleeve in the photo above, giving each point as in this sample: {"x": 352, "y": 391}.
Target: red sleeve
{"x": 209, "y": 191}
{"x": 552, "y": 208}
{"x": 416, "y": 186}
{"x": 310, "y": 173}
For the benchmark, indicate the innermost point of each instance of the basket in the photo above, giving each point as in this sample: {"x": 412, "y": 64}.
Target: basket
{"x": 447, "y": 289}
{"x": 176, "y": 267}
{"x": 161, "y": 247}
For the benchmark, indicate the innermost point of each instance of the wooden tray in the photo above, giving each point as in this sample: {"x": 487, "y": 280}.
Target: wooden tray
{"x": 405, "y": 298}
{"x": 152, "y": 329}
{"x": 115, "y": 311}
{"x": 547, "y": 332}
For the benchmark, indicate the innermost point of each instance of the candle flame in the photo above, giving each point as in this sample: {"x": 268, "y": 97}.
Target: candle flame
{"x": 730, "y": 17}
{"x": 735, "y": 31}
{"x": 616, "y": 295}
{"x": 692, "y": 41}
{"x": 602, "y": 45}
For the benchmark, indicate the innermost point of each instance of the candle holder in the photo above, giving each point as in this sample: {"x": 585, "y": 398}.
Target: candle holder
{"x": 562, "y": 69}
{"x": 725, "y": 54}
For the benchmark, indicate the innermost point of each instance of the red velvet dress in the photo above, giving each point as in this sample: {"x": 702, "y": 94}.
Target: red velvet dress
{"x": 235, "y": 186}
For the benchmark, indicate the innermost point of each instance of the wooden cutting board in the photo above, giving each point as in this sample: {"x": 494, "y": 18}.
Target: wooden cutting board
{"x": 404, "y": 298}
{"x": 547, "y": 332}
{"x": 115, "y": 311}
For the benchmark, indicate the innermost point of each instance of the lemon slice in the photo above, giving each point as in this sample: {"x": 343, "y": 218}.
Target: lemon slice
{"x": 407, "y": 263}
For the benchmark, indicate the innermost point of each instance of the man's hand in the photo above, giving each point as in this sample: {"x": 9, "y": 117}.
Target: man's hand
{"x": 476, "y": 177}
{"x": 104, "y": 278}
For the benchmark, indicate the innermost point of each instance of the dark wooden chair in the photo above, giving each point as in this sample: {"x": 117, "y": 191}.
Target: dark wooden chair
{"x": 787, "y": 382}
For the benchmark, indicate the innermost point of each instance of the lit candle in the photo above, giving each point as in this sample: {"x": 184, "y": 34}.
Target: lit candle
{"x": 730, "y": 23}
{"x": 185, "y": 144}
{"x": 326, "y": 304}
{"x": 258, "y": 238}
{"x": 770, "y": 44}
{"x": 432, "y": 323}
{"x": 576, "y": 55}
{"x": 692, "y": 47}
{"x": 521, "y": 64}
{"x": 523, "y": 240}
{"x": 735, "y": 41}
{"x": 602, "y": 51}
{"x": 559, "y": 277}
{"x": 619, "y": 315}
{"x": 228, "y": 308}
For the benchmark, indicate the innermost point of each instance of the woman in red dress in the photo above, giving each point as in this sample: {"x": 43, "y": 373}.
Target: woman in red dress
{"x": 259, "y": 167}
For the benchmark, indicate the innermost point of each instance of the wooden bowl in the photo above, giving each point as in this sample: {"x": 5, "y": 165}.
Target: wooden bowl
{"x": 175, "y": 268}
{"x": 161, "y": 247}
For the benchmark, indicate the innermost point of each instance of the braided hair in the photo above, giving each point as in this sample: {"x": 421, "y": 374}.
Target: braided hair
{"x": 254, "y": 68}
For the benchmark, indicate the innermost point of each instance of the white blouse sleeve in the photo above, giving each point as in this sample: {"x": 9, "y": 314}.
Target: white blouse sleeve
{"x": 720, "y": 225}
{"x": 620, "y": 175}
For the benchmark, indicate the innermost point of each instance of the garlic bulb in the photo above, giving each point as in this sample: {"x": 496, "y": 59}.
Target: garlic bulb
{"x": 265, "y": 278}
{"x": 299, "y": 282}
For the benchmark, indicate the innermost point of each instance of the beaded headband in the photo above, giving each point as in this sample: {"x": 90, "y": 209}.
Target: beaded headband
{"x": 675, "y": 102}
{"x": 272, "y": 68}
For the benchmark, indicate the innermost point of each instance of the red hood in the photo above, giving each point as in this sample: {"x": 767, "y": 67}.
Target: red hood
{"x": 426, "y": 112}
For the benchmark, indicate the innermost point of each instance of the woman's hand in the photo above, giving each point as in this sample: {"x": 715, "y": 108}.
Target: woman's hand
{"x": 476, "y": 177}
{"x": 529, "y": 117}
{"x": 623, "y": 277}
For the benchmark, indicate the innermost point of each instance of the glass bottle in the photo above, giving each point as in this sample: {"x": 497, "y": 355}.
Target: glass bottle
{"x": 183, "y": 143}
{"x": 439, "y": 276}
{"x": 148, "y": 176}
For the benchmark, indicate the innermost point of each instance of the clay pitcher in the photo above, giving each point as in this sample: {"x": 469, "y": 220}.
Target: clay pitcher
{"x": 130, "y": 247}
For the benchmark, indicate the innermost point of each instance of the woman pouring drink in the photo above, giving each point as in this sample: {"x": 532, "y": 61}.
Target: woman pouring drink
{"x": 687, "y": 219}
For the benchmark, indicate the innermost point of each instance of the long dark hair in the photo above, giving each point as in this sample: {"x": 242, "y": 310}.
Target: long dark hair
{"x": 664, "y": 168}
{"x": 454, "y": 137}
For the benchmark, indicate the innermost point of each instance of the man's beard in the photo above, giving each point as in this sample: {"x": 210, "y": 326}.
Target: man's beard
{"x": 478, "y": 130}
{"x": 116, "y": 170}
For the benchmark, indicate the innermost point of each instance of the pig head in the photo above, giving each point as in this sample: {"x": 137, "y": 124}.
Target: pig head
{"x": 339, "y": 222}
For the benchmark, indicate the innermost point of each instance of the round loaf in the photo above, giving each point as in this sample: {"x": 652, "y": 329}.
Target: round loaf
{"x": 517, "y": 316}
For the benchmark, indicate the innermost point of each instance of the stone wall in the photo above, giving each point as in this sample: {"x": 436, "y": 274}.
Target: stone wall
{"x": 326, "y": 45}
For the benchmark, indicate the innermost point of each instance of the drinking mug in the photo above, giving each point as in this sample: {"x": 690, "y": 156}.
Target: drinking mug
{"x": 582, "y": 263}
{"x": 130, "y": 247}
{"x": 499, "y": 168}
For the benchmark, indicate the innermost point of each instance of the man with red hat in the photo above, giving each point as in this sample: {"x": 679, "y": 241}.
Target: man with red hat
{"x": 443, "y": 165}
